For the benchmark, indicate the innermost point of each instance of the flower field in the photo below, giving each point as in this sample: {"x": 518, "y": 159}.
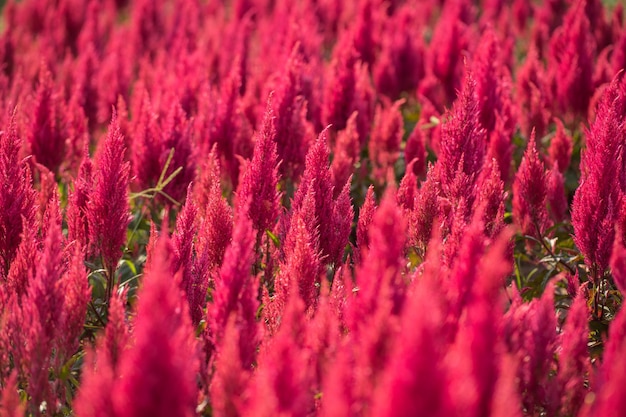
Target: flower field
{"x": 312, "y": 208}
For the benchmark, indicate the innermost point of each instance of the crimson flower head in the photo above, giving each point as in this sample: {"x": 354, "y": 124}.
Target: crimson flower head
{"x": 462, "y": 143}
{"x": 385, "y": 140}
{"x": 529, "y": 193}
{"x": 560, "y": 150}
{"x": 17, "y": 197}
{"x": 317, "y": 177}
{"x": 108, "y": 210}
{"x": 533, "y": 92}
{"x": 259, "y": 184}
{"x": 46, "y": 136}
{"x": 159, "y": 369}
{"x": 571, "y": 61}
{"x": 595, "y": 206}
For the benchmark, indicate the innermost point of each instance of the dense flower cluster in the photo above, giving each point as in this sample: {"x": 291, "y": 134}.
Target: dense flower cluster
{"x": 316, "y": 207}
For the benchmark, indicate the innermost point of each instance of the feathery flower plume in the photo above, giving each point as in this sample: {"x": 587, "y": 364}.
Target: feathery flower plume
{"x": 574, "y": 356}
{"x": 163, "y": 357}
{"x": 385, "y": 140}
{"x": 473, "y": 358}
{"x": 108, "y": 210}
{"x": 501, "y": 147}
{"x": 231, "y": 287}
{"x": 407, "y": 192}
{"x": 176, "y": 135}
{"x": 607, "y": 398}
{"x": 595, "y": 205}
{"x": 17, "y": 197}
{"x": 75, "y": 287}
{"x": 340, "y": 87}
{"x": 78, "y": 200}
{"x": 415, "y": 150}
{"x": 216, "y": 223}
{"x": 426, "y": 210}
{"x": 379, "y": 274}
{"x": 317, "y": 177}
{"x": 446, "y": 48}
{"x": 462, "y": 143}
{"x": 571, "y": 59}
{"x": 400, "y": 66}
{"x": 43, "y": 308}
{"x": 342, "y": 216}
{"x": 366, "y": 215}
{"x": 193, "y": 281}
{"x": 529, "y": 193}
{"x": 560, "y": 150}
{"x": 414, "y": 381}
{"x": 10, "y": 402}
{"x": 303, "y": 263}
{"x": 229, "y": 383}
{"x": 146, "y": 147}
{"x": 283, "y": 379}
{"x": 258, "y": 186}
{"x": 533, "y": 92}
{"x": 491, "y": 198}
{"x": 491, "y": 82}
{"x": 293, "y": 130}
{"x": 557, "y": 199}
{"x": 46, "y": 136}
{"x": 345, "y": 153}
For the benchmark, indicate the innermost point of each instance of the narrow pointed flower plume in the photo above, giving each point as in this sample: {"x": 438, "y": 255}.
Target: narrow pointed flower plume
{"x": 571, "y": 61}
{"x": 407, "y": 192}
{"x": 529, "y": 193}
{"x": 415, "y": 150}
{"x": 176, "y": 138}
{"x": 46, "y": 136}
{"x": 557, "y": 199}
{"x": 366, "y": 215}
{"x": 44, "y": 306}
{"x": 293, "y": 130}
{"x": 574, "y": 356}
{"x": 491, "y": 198}
{"x": 317, "y": 177}
{"x": 108, "y": 214}
{"x": 385, "y": 140}
{"x": 75, "y": 287}
{"x": 77, "y": 221}
{"x": 163, "y": 358}
{"x": 491, "y": 81}
{"x": 345, "y": 153}
{"x": 17, "y": 197}
{"x": 193, "y": 267}
{"x": 595, "y": 205}
{"x": 426, "y": 210}
{"x": 446, "y": 48}
{"x": 258, "y": 187}
{"x": 534, "y": 95}
{"x": 341, "y": 86}
{"x": 462, "y": 143}
{"x": 232, "y": 289}
{"x": 303, "y": 266}
{"x": 216, "y": 223}
{"x": 400, "y": 66}
{"x": 560, "y": 150}
{"x": 341, "y": 225}
{"x": 414, "y": 381}
{"x": 380, "y": 273}
{"x": 10, "y": 403}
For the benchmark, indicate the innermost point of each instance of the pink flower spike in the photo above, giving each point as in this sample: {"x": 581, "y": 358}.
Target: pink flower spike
{"x": 108, "y": 214}
{"x": 529, "y": 193}
{"x": 163, "y": 357}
